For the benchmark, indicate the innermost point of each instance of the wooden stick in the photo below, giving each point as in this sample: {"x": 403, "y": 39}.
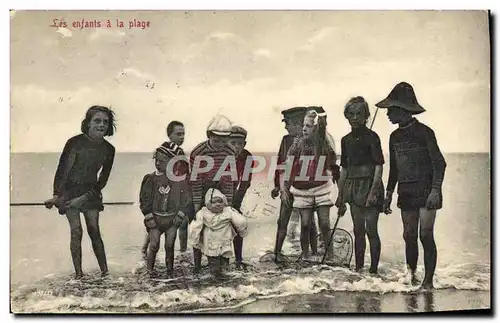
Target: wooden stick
{"x": 43, "y": 204}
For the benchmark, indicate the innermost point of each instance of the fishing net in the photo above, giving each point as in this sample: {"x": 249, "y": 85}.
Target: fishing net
{"x": 343, "y": 246}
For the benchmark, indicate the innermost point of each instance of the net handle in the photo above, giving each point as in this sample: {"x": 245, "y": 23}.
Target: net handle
{"x": 331, "y": 238}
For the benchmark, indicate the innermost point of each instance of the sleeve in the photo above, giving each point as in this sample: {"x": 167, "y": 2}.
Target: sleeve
{"x": 196, "y": 184}
{"x": 106, "y": 171}
{"x": 295, "y": 165}
{"x": 281, "y": 158}
{"x": 376, "y": 150}
{"x": 437, "y": 159}
{"x": 343, "y": 152}
{"x": 195, "y": 230}
{"x": 334, "y": 168}
{"x": 239, "y": 195}
{"x": 393, "y": 169}
{"x": 240, "y": 223}
{"x": 62, "y": 168}
{"x": 146, "y": 195}
{"x": 227, "y": 188}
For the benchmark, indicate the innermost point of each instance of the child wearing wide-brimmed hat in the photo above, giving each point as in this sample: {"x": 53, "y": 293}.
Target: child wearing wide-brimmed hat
{"x": 418, "y": 167}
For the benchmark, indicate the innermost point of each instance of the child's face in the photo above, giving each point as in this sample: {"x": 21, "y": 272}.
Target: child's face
{"x": 293, "y": 126}
{"x": 308, "y": 128}
{"x": 98, "y": 125}
{"x": 218, "y": 142}
{"x": 397, "y": 115}
{"x": 177, "y": 135}
{"x": 161, "y": 162}
{"x": 238, "y": 144}
{"x": 216, "y": 205}
{"x": 356, "y": 115}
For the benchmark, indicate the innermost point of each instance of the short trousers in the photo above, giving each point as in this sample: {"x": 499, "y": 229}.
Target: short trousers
{"x": 314, "y": 197}
{"x": 163, "y": 223}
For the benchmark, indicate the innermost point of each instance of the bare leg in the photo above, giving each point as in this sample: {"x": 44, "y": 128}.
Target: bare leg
{"x": 238, "y": 249}
{"x": 294, "y": 222}
{"x": 410, "y": 235}
{"x": 170, "y": 236}
{"x": 371, "y": 218}
{"x": 313, "y": 236}
{"x": 283, "y": 220}
{"x": 427, "y": 219}
{"x": 154, "y": 246}
{"x": 145, "y": 245}
{"x": 305, "y": 222}
{"x": 92, "y": 220}
{"x": 75, "y": 227}
{"x": 358, "y": 220}
{"x": 183, "y": 235}
{"x": 324, "y": 225}
{"x": 197, "y": 260}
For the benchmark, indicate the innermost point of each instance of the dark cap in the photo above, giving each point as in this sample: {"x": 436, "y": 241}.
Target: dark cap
{"x": 238, "y": 132}
{"x": 293, "y": 113}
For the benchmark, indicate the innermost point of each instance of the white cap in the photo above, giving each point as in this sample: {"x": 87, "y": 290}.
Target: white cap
{"x": 220, "y": 125}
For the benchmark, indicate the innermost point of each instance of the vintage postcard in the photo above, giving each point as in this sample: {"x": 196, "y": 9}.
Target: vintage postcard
{"x": 250, "y": 161}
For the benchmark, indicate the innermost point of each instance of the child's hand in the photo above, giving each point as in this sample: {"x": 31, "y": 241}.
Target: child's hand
{"x": 149, "y": 221}
{"x": 179, "y": 218}
{"x": 387, "y": 203}
{"x": 433, "y": 200}
{"x": 342, "y": 210}
{"x": 338, "y": 202}
{"x": 51, "y": 202}
{"x": 275, "y": 192}
{"x": 371, "y": 200}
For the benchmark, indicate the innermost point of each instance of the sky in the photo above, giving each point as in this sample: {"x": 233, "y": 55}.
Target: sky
{"x": 247, "y": 65}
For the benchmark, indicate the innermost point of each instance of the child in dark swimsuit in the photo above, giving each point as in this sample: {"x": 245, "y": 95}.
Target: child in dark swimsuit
{"x": 77, "y": 186}
{"x": 360, "y": 183}
{"x": 417, "y": 166}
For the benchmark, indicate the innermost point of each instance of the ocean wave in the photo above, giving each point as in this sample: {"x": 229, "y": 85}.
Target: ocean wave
{"x": 133, "y": 293}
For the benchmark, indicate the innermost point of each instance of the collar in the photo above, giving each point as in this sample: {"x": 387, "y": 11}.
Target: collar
{"x": 408, "y": 124}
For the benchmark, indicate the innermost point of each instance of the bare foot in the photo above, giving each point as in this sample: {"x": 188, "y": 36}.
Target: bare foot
{"x": 426, "y": 287}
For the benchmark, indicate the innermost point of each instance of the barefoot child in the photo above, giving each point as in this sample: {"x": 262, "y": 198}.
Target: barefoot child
{"x": 176, "y": 132}
{"x": 360, "y": 183}
{"x": 237, "y": 139}
{"x": 159, "y": 202}
{"x": 219, "y": 224}
{"x": 77, "y": 186}
{"x": 314, "y": 153}
{"x": 293, "y": 119}
{"x": 418, "y": 167}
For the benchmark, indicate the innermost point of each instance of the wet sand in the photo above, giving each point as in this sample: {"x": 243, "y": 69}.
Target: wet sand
{"x": 367, "y": 302}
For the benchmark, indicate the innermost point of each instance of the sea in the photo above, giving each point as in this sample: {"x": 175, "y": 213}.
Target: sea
{"x": 41, "y": 270}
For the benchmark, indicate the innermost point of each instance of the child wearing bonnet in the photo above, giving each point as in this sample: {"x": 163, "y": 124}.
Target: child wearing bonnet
{"x": 219, "y": 223}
